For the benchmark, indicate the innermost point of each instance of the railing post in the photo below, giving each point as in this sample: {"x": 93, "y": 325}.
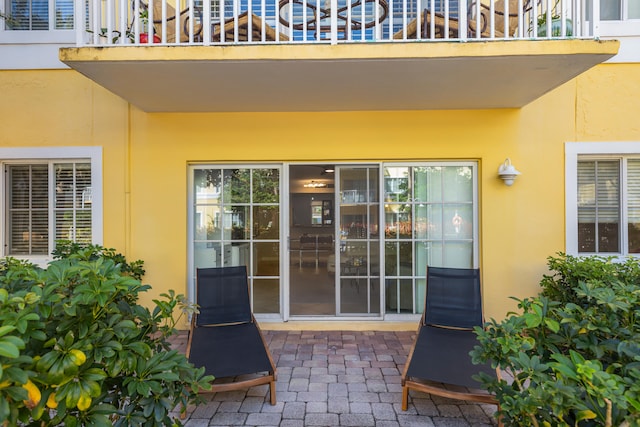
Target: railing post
{"x": 595, "y": 19}
{"x": 124, "y": 21}
{"x": 462, "y": 19}
{"x": 206, "y": 22}
{"x": 334, "y": 21}
{"x": 78, "y": 14}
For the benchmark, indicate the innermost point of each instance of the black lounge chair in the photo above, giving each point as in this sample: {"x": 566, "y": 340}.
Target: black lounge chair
{"x": 440, "y": 357}
{"x": 224, "y": 336}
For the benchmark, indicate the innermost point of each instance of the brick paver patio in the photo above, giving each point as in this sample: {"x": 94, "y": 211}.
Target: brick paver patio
{"x": 336, "y": 378}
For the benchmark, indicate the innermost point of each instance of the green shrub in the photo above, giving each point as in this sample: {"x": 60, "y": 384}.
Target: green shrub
{"x": 69, "y": 249}
{"x": 572, "y": 355}
{"x": 77, "y": 349}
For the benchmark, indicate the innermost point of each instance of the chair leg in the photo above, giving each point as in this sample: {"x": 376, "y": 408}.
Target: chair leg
{"x": 405, "y": 398}
{"x": 272, "y": 391}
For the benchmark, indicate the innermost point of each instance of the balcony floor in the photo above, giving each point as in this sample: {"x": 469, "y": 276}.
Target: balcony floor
{"x": 343, "y": 77}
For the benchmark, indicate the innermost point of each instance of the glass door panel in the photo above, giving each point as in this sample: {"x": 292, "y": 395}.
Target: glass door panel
{"x": 311, "y": 241}
{"x": 358, "y": 274}
{"x": 236, "y": 217}
{"x": 429, "y": 212}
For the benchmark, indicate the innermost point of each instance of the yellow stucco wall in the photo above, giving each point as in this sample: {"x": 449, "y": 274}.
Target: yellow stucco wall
{"x": 146, "y": 157}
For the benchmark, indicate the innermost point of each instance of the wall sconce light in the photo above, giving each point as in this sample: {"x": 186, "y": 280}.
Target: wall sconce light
{"x": 507, "y": 172}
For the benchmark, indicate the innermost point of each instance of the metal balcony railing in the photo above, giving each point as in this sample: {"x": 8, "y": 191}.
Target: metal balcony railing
{"x": 214, "y": 22}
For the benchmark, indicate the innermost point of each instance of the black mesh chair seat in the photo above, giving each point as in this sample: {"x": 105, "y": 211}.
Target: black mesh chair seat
{"x": 224, "y": 337}
{"x": 229, "y": 351}
{"x": 452, "y": 363}
{"x": 440, "y": 356}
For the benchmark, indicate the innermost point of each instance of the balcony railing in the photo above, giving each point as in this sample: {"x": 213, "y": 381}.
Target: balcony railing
{"x": 198, "y": 22}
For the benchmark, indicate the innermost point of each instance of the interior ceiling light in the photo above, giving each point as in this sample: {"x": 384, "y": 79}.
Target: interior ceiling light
{"x": 329, "y": 170}
{"x": 314, "y": 184}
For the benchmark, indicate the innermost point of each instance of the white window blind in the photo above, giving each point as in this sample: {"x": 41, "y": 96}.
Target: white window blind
{"x": 29, "y": 14}
{"x": 73, "y": 202}
{"x": 46, "y": 197}
{"x": 633, "y": 205}
{"x": 28, "y": 214}
{"x": 64, "y": 14}
{"x": 599, "y": 206}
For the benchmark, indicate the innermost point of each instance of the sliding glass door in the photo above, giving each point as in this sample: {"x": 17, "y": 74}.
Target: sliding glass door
{"x": 350, "y": 240}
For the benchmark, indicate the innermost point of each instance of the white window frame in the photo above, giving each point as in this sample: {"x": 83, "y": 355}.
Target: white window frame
{"x": 50, "y": 36}
{"x": 623, "y": 27}
{"x": 573, "y": 152}
{"x": 92, "y": 154}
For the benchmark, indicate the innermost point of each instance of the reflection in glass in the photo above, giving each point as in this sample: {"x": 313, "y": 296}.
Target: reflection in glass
{"x": 372, "y": 187}
{"x": 432, "y": 208}
{"x": 428, "y": 183}
{"x": 459, "y": 184}
{"x": 610, "y": 10}
{"x": 633, "y": 7}
{"x": 266, "y": 186}
{"x": 207, "y": 183}
{"x": 458, "y": 221}
{"x": 207, "y": 223}
{"x": 398, "y": 221}
{"x": 235, "y": 222}
{"x": 266, "y": 296}
{"x": 236, "y": 186}
{"x": 458, "y": 254}
{"x": 266, "y": 222}
{"x": 207, "y": 255}
{"x": 359, "y": 263}
{"x": 396, "y": 184}
{"x": 354, "y": 223}
{"x": 399, "y": 296}
{"x": 420, "y": 294}
{"x": 267, "y": 259}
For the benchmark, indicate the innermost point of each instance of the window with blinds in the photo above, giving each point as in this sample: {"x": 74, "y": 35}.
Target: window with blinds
{"x": 608, "y": 196}
{"x": 633, "y": 205}
{"x": 47, "y": 202}
{"x": 34, "y": 15}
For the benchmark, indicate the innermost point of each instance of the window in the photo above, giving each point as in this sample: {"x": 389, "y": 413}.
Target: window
{"x": 603, "y": 198}
{"x": 619, "y": 10}
{"x": 39, "y": 15}
{"x": 49, "y": 199}
{"x": 605, "y": 186}
{"x": 44, "y": 197}
{"x": 621, "y": 18}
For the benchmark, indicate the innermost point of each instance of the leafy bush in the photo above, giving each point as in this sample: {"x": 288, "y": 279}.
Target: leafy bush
{"x": 77, "y": 349}
{"x": 573, "y": 353}
{"x": 68, "y": 249}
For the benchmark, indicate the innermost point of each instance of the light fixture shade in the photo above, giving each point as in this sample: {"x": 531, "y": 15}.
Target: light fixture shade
{"x": 507, "y": 172}
{"x": 315, "y": 184}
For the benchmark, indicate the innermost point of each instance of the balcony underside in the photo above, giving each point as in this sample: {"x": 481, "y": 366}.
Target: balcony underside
{"x": 343, "y": 77}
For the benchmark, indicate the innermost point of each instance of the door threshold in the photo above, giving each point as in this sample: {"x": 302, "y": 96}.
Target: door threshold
{"x": 339, "y": 324}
